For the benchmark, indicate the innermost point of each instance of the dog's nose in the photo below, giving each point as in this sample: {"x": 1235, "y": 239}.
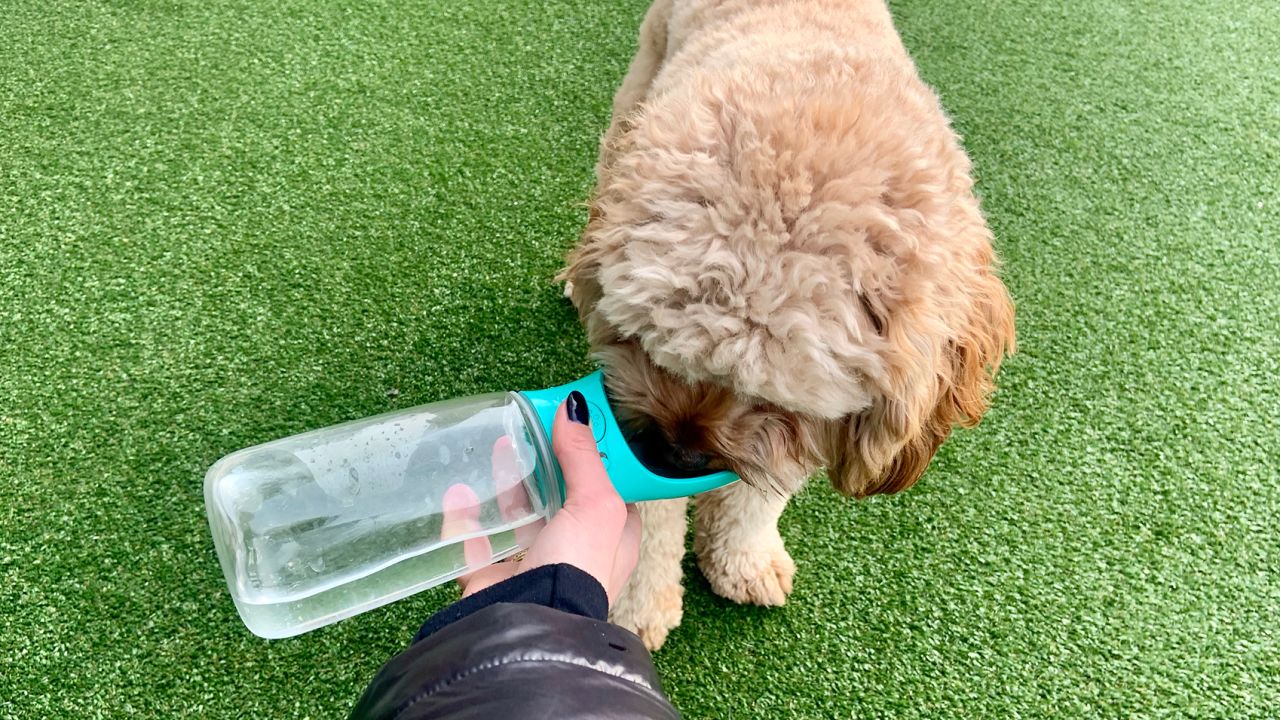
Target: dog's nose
{"x": 689, "y": 460}
{"x": 653, "y": 449}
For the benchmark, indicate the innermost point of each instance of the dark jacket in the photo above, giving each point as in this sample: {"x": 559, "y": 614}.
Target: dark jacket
{"x": 534, "y": 646}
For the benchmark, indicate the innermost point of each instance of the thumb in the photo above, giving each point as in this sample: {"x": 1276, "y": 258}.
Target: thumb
{"x": 575, "y": 446}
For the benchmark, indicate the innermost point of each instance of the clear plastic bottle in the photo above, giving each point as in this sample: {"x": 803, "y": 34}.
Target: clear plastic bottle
{"x": 324, "y": 525}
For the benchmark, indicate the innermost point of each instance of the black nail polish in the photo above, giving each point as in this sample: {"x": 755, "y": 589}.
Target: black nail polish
{"x": 577, "y": 409}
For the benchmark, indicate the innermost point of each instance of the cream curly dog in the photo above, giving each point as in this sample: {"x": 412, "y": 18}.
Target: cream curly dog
{"x": 785, "y": 269}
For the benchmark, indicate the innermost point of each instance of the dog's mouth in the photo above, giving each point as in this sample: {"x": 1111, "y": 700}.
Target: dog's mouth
{"x": 662, "y": 457}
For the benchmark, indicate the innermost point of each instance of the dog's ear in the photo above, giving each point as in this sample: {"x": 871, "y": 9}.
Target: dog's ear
{"x": 768, "y": 449}
{"x": 887, "y": 447}
{"x": 580, "y": 274}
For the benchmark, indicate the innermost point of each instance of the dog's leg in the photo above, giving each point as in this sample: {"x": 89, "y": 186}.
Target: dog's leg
{"x": 650, "y": 52}
{"x": 738, "y": 545}
{"x": 644, "y": 68}
{"x": 650, "y": 604}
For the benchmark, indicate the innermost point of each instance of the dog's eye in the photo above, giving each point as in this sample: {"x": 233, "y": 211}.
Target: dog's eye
{"x": 876, "y": 321}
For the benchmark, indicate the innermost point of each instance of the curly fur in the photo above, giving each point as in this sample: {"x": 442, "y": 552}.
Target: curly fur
{"x": 786, "y": 266}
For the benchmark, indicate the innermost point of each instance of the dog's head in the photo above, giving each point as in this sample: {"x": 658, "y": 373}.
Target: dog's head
{"x": 785, "y": 286}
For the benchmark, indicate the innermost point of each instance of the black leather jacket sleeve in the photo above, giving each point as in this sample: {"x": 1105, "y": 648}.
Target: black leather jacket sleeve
{"x": 515, "y": 660}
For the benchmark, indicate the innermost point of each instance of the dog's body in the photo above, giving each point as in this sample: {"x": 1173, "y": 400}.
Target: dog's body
{"x": 785, "y": 269}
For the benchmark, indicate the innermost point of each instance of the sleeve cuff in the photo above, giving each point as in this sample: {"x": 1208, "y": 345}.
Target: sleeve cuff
{"x": 561, "y": 587}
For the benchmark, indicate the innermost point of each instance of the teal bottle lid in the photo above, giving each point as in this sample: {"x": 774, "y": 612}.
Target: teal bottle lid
{"x": 634, "y": 481}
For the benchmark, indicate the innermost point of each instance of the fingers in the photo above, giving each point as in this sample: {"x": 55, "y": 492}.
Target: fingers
{"x": 593, "y": 531}
{"x": 462, "y": 517}
{"x": 513, "y": 499}
{"x": 513, "y": 503}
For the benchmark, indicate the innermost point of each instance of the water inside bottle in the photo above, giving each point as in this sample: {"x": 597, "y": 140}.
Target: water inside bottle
{"x": 330, "y": 523}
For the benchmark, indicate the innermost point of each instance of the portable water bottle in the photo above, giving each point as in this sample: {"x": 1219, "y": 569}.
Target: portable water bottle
{"x": 324, "y": 525}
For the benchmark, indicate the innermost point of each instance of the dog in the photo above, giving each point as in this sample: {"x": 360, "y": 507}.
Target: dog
{"x": 784, "y": 269}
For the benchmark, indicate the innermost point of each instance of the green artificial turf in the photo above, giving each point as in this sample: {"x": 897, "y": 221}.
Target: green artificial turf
{"x": 222, "y": 222}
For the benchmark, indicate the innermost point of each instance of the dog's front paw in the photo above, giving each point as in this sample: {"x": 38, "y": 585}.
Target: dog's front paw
{"x": 759, "y": 576}
{"x": 651, "y": 615}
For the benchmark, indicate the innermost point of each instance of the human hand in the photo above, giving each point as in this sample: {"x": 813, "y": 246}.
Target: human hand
{"x": 594, "y": 531}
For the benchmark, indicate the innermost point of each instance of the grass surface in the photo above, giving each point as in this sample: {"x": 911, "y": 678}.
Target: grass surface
{"x": 223, "y": 222}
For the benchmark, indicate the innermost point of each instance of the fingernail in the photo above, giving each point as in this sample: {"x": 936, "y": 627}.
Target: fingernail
{"x": 577, "y": 409}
